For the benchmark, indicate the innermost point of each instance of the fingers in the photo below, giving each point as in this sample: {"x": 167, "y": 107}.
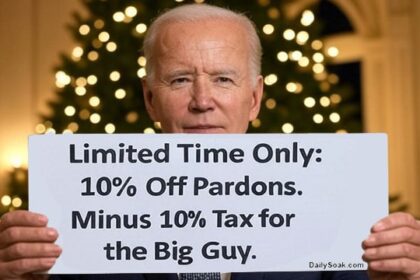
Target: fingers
{"x": 30, "y": 250}
{"x": 22, "y": 218}
{"x": 404, "y": 250}
{"x": 401, "y": 265}
{"x": 396, "y": 220}
{"x": 27, "y": 234}
{"x": 393, "y": 236}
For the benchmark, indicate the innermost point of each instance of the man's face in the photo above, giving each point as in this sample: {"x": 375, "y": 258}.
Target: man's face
{"x": 201, "y": 81}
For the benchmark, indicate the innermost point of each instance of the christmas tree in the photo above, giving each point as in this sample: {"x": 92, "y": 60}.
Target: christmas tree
{"x": 99, "y": 88}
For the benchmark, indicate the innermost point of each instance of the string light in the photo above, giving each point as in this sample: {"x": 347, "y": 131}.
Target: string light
{"x": 84, "y": 29}
{"x": 296, "y": 55}
{"x": 50, "y": 131}
{"x": 118, "y": 16}
{"x": 111, "y": 46}
{"x": 114, "y": 76}
{"x": 318, "y": 68}
{"x": 335, "y": 98}
{"x": 99, "y": 24}
{"x": 270, "y": 103}
{"x": 96, "y": 43}
{"x": 318, "y": 57}
{"x": 69, "y": 111}
{"x": 73, "y": 126}
{"x": 40, "y": 128}
{"x": 318, "y": 118}
{"x": 141, "y": 73}
{"x": 302, "y": 37}
{"x": 149, "y": 130}
{"x": 341, "y": 131}
{"x": 282, "y": 56}
{"x": 67, "y": 131}
{"x": 110, "y": 128}
{"x": 289, "y": 34}
{"x": 256, "y": 123}
{"x": 80, "y": 91}
{"x": 62, "y": 79}
{"x": 95, "y": 118}
{"x": 325, "y": 86}
{"x": 268, "y": 29}
{"x": 16, "y": 202}
{"x": 287, "y": 128}
{"x": 324, "y": 101}
{"x": 142, "y": 61}
{"x": 309, "y": 102}
{"x": 273, "y": 13}
{"x": 335, "y": 117}
{"x": 92, "y": 79}
{"x": 81, "y": 82}
{"x": 307, "y": 18}
{"x": 130, "y": 11}
{"x": 120, "y": 93}
{"x": 304, "y": 61}
{"x": 132, "y": 117}
{"x": 141, "y": 28}
{"x": 6, "y": 200}
{"x": 93, "y": 55}
{"x": 94, "y": 101}
{"x": 84, "y": 114}
{"x": 270, "y": 79}
{"x": 333, "y": 79}
{"x": 199, "y": 1}
{"x": 103, "y": 36}
{"x": 294, "y": 87}
{"x": 333, "y": 51}
{"x": 317, "y": 45}
{"x": 77, "y": 52}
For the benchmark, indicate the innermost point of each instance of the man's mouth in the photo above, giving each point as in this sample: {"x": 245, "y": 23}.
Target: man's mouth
{"x": 203, "y": 129}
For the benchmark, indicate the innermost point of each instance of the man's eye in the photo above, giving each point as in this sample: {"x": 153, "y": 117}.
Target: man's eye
{"x": 179, "y": 81}
{"x": 224, "y": 80}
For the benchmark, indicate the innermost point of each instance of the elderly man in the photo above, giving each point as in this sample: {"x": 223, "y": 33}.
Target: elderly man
{"x": 204, "y": 77}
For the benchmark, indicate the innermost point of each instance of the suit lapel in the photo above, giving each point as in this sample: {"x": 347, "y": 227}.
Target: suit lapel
{"x": 247, "y": 276}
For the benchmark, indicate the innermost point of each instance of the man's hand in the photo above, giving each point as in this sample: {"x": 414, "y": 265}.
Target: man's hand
{"x": 392, "y": 250}
{"x": 26, "y": 245}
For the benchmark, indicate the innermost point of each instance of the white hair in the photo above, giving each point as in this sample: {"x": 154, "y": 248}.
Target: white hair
{"x": 201, "y": 12}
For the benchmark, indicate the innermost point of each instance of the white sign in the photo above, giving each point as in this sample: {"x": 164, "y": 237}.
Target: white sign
{"x": 196, "y": 203}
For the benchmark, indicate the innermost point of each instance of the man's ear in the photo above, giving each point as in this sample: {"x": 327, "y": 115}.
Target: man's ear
{"x": 256, "y": 98}
{"x": 148, "y": 99}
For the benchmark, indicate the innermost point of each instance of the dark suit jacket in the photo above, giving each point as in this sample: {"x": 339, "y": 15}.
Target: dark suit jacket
{"x": 326, "y": 275}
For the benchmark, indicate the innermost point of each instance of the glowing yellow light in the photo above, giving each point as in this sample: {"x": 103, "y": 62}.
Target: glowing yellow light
{"x": 62, "y": 79}
{"x": 111, "y": 46}
{"x": 48, "y": 124}
{"x": 141, "y": 28}
{"x": 295, "y": 55}
{"x": 308, "y": 18}
{"x": 40, "y": 128}
{"x": 289, "y": 34}
{"x": 179, "y": 1}
{"x": 94, "y": 101}
{"x": 96, "y": 43}
{"x": 318, "y": 118}
{"x": 149, "y": 130}
{"x": 130, "y": 11}
{"x": 15, "y": 161}
{"x": 142, "y": 61}
{"x": 69, "y": 111}
{"x": 110, "y": 128}
{"x": 341, "y": 131}
{"x": 333, "y": 79}
{"x": 325, "y": 86}
{"x": 93, "y": 55}
{"x": 141, "y": 72}
{"x": 50, "y": 131}
{"x": 282, "y": 56}
{"x": 318, "y": 57}
{"x": 273, "y": 13}
{"x": 80, "y": 91}
{"x": 77, "y": 52}
{"x": 270, "y": 103}
{"x": 115, "y": 76}
{"x": 103, "y": 36}
{"x": 132, "y": 117}
{"x": 84, "y": 29}
{"x": 318, "y": 68}
{"x": 270, "y": 79}
{"x": 317, "y": 45}
{"x": 324, "y": 101}
{"x": 73, "y": 126}
{"x": 84, "y": 114}
{"x": 118, "y": 16}
{"x": 304, "y": 61}
{"x": 335, "y": 117}
{"x": 309, "y": 102}
{"x": 268, "y": 29}
{"x": 287, "y": 128}
{"x": 157, "y": 125}
{"x": 6, "y": 200}
{"x": 335, "y": 98}
{"x": 264, "y": 2}
{"x": 256, "y": 123}
{"x": 92, "y": 79}
{"x": 294, "y": 87}
{"x": 199, "y": 1}
{"x": 302, "y": 37}
{"x": 81, "y": 82}
{"x": 99, "y": 23}
{"x": 333, "y": 51}
{"x": 95, "y": 118}
{"x": 120, "y": 93}
{"x": 67, "y": 131}
{"x": 16, "y": 202}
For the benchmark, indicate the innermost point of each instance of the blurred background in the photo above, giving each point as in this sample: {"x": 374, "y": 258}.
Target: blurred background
{"x": 329, "y": 66}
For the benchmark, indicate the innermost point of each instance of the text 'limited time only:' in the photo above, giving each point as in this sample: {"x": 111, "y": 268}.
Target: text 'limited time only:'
{"x": 193, "y": 153}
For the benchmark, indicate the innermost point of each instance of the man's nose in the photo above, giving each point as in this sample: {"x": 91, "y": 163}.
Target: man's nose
{"x": 201, "y": 96}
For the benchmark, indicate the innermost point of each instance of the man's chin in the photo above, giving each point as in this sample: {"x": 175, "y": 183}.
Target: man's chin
{"x": 203, "y": 130}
